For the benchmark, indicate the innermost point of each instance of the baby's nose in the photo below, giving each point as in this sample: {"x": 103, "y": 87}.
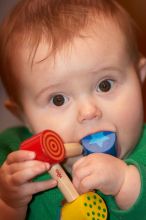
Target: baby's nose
{"x": 88, "y": 110}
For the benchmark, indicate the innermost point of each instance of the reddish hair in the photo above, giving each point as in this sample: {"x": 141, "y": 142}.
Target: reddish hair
{"x": 59, "y": 21}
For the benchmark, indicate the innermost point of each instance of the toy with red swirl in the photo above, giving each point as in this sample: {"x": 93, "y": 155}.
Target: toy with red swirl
{"x": 47, "y": 145}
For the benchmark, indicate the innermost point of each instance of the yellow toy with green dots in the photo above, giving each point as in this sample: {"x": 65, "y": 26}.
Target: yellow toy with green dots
{"x": 89, "y": 206}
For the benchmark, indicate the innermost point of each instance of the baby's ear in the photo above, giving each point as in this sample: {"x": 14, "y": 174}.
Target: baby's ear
{"x": 142, "y": 69}
{"x": 14, "y": 108}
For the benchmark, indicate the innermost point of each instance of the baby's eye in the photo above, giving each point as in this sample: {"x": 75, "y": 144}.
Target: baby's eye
{"x": 105, "y": 85}
{"x": 58, "y": 100}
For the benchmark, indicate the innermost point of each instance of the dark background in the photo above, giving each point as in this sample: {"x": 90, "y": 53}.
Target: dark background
{"x": 137, "y": 9}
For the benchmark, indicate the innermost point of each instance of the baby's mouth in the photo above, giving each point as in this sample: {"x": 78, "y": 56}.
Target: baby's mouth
{"x": 100, "y": 142}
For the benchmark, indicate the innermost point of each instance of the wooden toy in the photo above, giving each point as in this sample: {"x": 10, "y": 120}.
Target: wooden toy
{"x": 49, "y": 147}
{"x": 64, "y": 183}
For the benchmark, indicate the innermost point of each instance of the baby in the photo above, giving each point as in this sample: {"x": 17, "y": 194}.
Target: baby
{"x": 72, "y": 67}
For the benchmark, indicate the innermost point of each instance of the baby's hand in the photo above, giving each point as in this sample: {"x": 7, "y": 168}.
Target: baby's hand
{"x": 16, "y": 174}
{"x": 99, "y": 171}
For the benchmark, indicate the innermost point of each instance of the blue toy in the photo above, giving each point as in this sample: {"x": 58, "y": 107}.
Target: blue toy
{"x": 100, "y": 142}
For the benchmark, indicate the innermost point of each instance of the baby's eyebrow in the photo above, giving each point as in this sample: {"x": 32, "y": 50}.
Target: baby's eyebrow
{"x": 107, "y": 68}
{"x": 50, "y": 88}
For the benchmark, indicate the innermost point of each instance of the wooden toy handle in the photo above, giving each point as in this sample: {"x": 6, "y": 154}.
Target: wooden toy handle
{"x": 73, "y": 149}
{"x": 64, "y": 183}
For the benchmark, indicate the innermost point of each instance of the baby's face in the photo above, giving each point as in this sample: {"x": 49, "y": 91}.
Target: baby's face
{"x": 92, "y": 86}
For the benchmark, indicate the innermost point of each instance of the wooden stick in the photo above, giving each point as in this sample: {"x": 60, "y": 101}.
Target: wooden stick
{"x": 73, "y": 149}
{"x": 64, "y": 183}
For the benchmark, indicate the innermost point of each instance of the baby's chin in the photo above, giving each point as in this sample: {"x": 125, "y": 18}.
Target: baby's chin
{"x": 70, "y": 162}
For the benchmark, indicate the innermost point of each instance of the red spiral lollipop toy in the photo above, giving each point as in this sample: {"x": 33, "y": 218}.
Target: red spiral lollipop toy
{"x": 47, "y": 145}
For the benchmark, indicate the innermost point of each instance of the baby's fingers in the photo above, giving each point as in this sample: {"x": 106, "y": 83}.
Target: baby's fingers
{"x": 21, "y": 166}
{"x": 29, "y": 172}
{"x": 79, "y": 163}
{"x": 22, "y": 195}
{"x": 20, "y": 156}
{"x": 88, "y": 183}
{"x": 35, "y": 187}
{"x": 79, "y": 175}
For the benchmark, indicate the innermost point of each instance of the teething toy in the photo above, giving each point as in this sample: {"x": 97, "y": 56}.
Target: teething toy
{"x": 100, "y": 142}
{"x": 49, "y": 147}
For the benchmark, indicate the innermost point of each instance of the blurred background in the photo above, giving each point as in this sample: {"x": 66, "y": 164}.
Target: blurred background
{"x": 137, "y": 10}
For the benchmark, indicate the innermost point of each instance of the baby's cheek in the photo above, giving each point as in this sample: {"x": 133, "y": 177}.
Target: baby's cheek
{"x": 128, "y": 126}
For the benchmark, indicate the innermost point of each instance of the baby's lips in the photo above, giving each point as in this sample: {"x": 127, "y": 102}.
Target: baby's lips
{"x": 100, "y": 142}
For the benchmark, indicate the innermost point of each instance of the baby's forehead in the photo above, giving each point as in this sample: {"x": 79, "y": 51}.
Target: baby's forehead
{"x": 81, "y": 55}
{"x": 36, "y": 51}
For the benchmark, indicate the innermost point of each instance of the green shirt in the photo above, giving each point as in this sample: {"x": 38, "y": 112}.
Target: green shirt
{"x": 47, "y": 205}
